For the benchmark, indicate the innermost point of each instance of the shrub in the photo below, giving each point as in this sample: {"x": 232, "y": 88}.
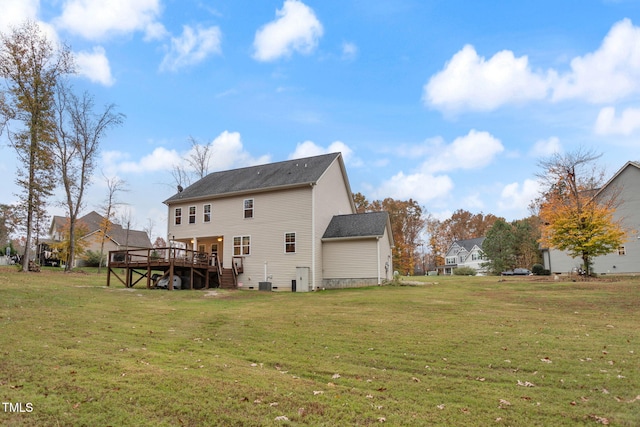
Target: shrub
{"x": 539, "y": 270}
{"x": 92, "y": 259}
{"x": 464, "y": 271}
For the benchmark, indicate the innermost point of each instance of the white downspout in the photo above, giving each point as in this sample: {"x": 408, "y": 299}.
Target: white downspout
{"x": 378, "y": 260}
{"x": 313, "y": 237}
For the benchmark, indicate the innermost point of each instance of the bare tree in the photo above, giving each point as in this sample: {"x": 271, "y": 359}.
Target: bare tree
{"x": 196, "y": 160}
{"x": 30, "y": 67}
{"x": 75, "y": 148}
{"x": 115, "y": 186}
{"x": 199, "y": 158}
{"x": 126, "y": 219}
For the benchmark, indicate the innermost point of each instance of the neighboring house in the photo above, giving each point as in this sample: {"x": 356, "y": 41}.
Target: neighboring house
{"x": 117, "y": 238}
{"x": 626, "y": 259}
{"x": 290, "y": 223}
{"x": 463, "y": 253}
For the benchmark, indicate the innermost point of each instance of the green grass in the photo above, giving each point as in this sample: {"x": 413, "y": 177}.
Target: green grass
{"x": 448, "y": 351}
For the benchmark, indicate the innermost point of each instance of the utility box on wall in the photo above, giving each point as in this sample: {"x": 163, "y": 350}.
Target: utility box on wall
{"x": 302, "y": 279}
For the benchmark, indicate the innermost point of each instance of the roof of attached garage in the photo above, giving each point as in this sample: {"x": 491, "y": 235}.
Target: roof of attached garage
{"x": 305, "y": 171}
{"x": 370, "y": 224}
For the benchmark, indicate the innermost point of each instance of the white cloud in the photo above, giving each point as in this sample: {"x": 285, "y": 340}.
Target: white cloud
{"x": 626, "y": 124}
{"x": 309, "y": 149}
{"x": 192, "y": 47}
{"x": 546, "y": 147}
{"x": 295, "y": 29}
{"x": 472, "y": 151}
{"x": 518, "y": 197}
{"x": 160, "y": 159}
{"x": 227, "y": 152}
{"x": 95, "y": 66}
{"x": 610, "y": 73}
{"x": 470, "y": 82}
{"x": 16, "y": 11}
{"x": 419, "y": 186}
{"x": 349, "y": 51}
{"x": 99, "y": 19}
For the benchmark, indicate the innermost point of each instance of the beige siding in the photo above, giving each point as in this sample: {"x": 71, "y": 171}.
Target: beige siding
{"x": 275, "y": 213}
{"x": 332, "y": 197}
{"x": 350, "y": 259}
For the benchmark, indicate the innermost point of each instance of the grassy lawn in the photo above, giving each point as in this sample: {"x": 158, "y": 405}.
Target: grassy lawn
{"x": 447, "y": 351}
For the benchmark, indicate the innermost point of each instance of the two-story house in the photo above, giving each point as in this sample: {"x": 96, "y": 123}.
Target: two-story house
{"x": 292, "y": 224}
{"x": 463, "y": 253}
{"x": 626, "y": 259}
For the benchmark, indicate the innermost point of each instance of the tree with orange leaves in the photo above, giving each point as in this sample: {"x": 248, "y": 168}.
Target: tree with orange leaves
{"x": 576, "y": 217}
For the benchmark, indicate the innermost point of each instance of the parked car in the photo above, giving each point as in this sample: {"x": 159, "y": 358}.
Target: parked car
{"x": 517, "y": 272}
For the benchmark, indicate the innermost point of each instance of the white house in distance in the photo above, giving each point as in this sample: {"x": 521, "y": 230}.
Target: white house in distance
{"x": 463, "y": 253}
{"x": 292, "y": 224}
{"x": 626, "y": 260}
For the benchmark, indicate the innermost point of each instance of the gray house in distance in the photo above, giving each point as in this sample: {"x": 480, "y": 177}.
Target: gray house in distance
{"x": 626, "y": 259}
{"x": 292, "y": 224}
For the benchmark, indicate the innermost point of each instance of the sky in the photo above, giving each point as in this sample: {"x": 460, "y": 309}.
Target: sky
{"x": 450, "y": 103}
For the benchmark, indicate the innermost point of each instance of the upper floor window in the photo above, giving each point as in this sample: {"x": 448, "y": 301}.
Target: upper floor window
{"x": 248, "y": 208}
{"x": 622, "y": 250}
{"x": 178, "y": 216}
{"x": 290, "y": 243}
{"x": 241, "y": 245}
{"x": 207, "y": 213}
{"x": 451, "y": 260}
{"x": 192, "y": 214}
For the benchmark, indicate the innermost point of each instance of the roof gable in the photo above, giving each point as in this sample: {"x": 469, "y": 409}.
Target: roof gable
{"x": 616, "y": 175}
{"x": 290, "y": 173}
{"x": 468, "y": 244}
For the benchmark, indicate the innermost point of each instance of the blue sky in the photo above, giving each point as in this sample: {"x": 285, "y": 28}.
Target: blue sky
{"x": 450, "y": 103}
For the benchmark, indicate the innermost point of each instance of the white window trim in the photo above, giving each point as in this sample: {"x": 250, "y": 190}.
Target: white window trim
{"x": 204, "y": 213}
{"x": 295, "y": 243}
{"x": 176, "y": 216}
{"x": 233, "y": 243}
{"x": 252, "y": 209}
{"x": 195, "y": 215}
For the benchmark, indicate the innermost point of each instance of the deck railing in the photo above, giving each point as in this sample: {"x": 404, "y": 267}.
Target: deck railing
{"x": 158, "y": 256}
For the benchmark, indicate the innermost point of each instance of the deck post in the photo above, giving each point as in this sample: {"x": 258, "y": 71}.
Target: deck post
{"x": 171, "y": 275}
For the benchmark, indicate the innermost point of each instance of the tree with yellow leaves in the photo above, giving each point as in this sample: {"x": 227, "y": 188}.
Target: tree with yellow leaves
{"x": 576, "y": 217}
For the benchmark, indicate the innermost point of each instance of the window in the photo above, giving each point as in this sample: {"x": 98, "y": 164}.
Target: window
{"x": 622, "y": 250}
{"x": 248, "y": 208}
{"x": 241, "y": 245}
{"x": 451, "y": 260}
{"x": 192, "y": 214}
{"x": 207, "y": 213}
{"x": 178, "y": 216}
{"x": 476, "y": 256}
{"x": 290, "y": 243}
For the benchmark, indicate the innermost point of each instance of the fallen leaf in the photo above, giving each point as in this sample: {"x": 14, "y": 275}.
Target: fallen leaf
{"x": 282, "y": 418}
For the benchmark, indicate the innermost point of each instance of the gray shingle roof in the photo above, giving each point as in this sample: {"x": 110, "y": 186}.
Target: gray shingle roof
{"x": 370, "y": 224}
{"x": 269, "y": 176}
{"x": 470, "y": 243}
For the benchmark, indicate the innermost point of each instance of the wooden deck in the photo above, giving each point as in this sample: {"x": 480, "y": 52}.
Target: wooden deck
{"x": 200, "y": 270}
